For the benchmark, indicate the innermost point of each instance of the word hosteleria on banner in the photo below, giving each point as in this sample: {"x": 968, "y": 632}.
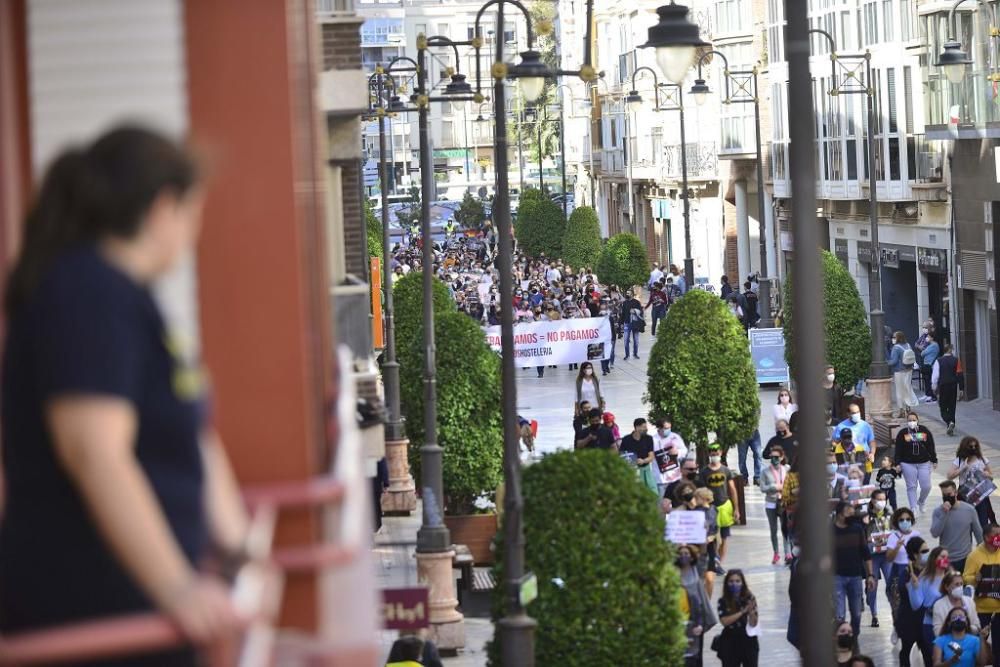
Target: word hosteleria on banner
{"x": 558, "y": 342}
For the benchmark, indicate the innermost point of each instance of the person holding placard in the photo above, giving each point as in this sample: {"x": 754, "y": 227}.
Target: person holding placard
{"x": 982, "y": 570}
{"x": 971, "y": 468}
{"x": 877, "y": 523}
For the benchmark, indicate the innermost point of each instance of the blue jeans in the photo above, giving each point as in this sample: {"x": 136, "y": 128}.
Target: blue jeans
{"x": 606, "y": 364}
{"x": 882, "y": 569}
{"x": 659, "y": 312}
{"x": 752, "y": 444}
{"x": 634, "y": 337}
{"x": 847, "y": 591}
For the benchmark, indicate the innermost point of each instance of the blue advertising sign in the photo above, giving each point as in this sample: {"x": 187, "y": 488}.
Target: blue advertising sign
{"x": 767, "y": 349}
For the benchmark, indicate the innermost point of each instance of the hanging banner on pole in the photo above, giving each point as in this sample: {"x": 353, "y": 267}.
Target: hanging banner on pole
{"x": 557, "y": 342}
{"x": 767, "y": 349}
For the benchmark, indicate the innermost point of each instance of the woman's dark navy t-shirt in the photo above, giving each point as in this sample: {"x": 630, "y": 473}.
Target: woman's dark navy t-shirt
{"x": 88, "y": 329}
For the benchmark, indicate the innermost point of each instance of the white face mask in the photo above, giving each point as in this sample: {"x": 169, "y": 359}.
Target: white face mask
{"x": 830, "y": 377}
{"x": 589, "y": 371}
{"x": 912, "y": 425}
{"x": 853, "y": 481}
{"x": 879, "y": 505}
{"x": 715, "y": 459}
{"x": 855, "y": 417}
{"x": 785, "y": 399}
{"x": 955, "y": 592}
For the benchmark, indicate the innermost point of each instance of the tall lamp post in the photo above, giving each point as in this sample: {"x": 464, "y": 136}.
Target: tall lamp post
{"x": 740, "y": 87}
{"x": 852, "y": 68}
{"x": 401, "y": 495}
{"x": 434, "y": 552}
{"x": 634, "y": 101}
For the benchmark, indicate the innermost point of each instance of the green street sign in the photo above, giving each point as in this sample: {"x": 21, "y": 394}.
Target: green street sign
{"x": 529, "y": 589}
{"x": 450, "y": 152}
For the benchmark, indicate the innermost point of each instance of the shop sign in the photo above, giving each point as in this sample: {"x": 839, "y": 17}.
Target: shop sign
{"x": 405, "y": 608}
{"x": 865, "y": 252}
{"x": 890, "y": 257}
{"x": 932, "y": 260}
{"x": 840, "y": 250}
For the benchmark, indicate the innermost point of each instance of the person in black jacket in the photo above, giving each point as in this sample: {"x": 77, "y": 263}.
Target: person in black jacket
{"x": 947, "y": 381}
{"x": 853, "y": 565}
{"x": 915, "y": 454}
{"x": 634, "y": 322}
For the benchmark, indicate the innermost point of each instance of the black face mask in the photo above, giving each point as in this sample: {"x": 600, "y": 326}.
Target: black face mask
{"x": 594, "y": 427}
{"x": 687, "y": 497}
{"x": 960, "y": 625}
{"x": 691, "y": 475}
{"x": 845, "y": 641}
{"x": 949, "y": 499}
{"x": 782, "y": 433}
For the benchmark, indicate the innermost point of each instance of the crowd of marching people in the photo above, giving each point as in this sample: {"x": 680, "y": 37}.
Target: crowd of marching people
{"x": 929, "y": 567}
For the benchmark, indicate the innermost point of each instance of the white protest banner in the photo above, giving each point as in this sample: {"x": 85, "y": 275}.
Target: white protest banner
{"x": 557, "y": 342}
{"x": 686, "y": 528}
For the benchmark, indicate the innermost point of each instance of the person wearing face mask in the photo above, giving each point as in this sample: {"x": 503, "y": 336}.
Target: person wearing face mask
{"x": 772, "y": 480}
{"x": 640, "y": 444}
{"x": 703, "y": 503}
{"x": 853, "y": 564}
{"x": 844, "y": 644}
{"x": 955, "y": 524}
{"x": 666, "y": 438}
{"x": 901, "y": 361}
{"x": 878, "y": 531}
{"x": 861, "y": 432}
{"x": 948, "y": 383}
{"x": 790, "y": 500}
{"x": 689, "y": 473}
{"x": 669, "y": 452}
{"x": 953, "y": 597}
{"x": 737, "y": 610}
{"x": 832, "y": 393}
{"x": 701, "y": 616}
{"x": 968, "y": 466}
{"x": 982, "y": 570}
{"x": 928, "y": 355}
{"x": 588, "y": 387}
{"x": 957, "y": 647}
{"x": 924, "y": 590}
{"x": 635, "y": 322}
{"x": 908, "y": 619}
{"x": 915, "y": 455}
{"x": 719, "y": 479}
{"x": 836, "y": 480}
{"x": 902, "y": 533}
{"x": 785, "y": 407}
{"x": 596, "y": 435}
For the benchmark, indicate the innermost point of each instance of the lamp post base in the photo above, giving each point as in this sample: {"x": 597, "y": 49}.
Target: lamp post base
{"x": 400, "y": 499}
{"x": 879, "y": 401}
{"x": 447, "y": 625}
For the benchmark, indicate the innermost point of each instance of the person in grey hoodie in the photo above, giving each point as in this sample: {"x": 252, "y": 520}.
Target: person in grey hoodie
{"x": 772, "y": 480}
{"x": 955, "y": 523}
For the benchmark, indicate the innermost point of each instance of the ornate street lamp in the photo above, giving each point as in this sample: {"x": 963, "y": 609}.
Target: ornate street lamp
{"x": 676, "y": 41}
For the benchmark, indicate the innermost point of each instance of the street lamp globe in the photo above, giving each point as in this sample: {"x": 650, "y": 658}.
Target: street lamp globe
{"x": 700, "y": 91}
{"x": 634, "y": 101}
{"x": 954, "y": 61}
{"x": 530, "y": 73}
{"x": 456, "y": 87}
{"x": 676, "y": 41}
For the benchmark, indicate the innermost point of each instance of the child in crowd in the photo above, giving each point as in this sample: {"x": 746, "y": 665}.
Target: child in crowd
{"x": 609, "y": 421}
{"x": 885, "y": 479}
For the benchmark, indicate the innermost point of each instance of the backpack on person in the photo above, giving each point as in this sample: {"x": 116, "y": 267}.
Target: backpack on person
{"x": 909, "y": 356}
{"x": 636, "y": 320}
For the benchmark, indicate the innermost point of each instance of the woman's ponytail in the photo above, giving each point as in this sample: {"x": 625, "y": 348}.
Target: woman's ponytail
{"x": 93, "y": 193}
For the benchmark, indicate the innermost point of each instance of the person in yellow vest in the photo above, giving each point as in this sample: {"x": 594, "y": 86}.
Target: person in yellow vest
{"x": 982, "y": 570}
{"x": 406, "y": 652}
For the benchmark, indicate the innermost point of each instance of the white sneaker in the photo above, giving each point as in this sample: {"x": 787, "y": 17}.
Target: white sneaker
{"x": 894, "y": 638}
{"x": 921, "y": 509}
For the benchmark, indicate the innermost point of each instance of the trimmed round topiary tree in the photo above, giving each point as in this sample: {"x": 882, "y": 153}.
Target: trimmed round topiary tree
{"x": 848, "y": 337}
{"x": 700, "y": 373}
{"x": 608, "y": 592}
{"x": 408, "y": 305}
{"x": 623, "y": 261}
{"x": 581, "y": 245}
{"x": 540, "y": 225}
{"x": 469, "y": 426}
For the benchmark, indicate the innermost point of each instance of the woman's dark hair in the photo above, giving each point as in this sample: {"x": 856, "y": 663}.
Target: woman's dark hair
{"x": 863, "y": 659}
{"x": 93, "y": 193}
{"x": 731, "y": 602}
{"x": 900, "y": 512}
{"x": 913, "y": 546}
{"x": 406, "y": 649}
{"x": 683, "y": 487}
{"x": 969, "y": 446}
{"x": 946, "y": 626}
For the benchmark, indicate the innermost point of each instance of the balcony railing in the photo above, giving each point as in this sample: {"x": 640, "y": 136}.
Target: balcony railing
{"x": 702, "y": 160}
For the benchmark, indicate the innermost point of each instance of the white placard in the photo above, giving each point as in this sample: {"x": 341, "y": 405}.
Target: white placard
{"x": 686, "y": 527}
{"x": 557, "y": 342}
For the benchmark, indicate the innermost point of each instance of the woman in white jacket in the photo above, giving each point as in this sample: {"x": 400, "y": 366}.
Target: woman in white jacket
{"x": 953, "y": 596}
{"x": 785, "y": 407}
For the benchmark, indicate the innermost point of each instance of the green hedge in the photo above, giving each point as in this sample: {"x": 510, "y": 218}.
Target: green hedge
{"x": 847, "y": 335}
{"x": 373, "y": 233}
{"x": 607, "y": 589}
{"x": 408, "y": 305}
{"x": 581, "y": 244}
{"x": 469, "y": 424}
{"x": 471, "y": 214}
{"x": 540, "y": 225}
{"x": 700, "y": 373}
{"x": 623, "y": 261}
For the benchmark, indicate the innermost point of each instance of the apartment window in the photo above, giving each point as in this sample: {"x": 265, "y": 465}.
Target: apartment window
{"x": 508, "y": 33}
{"x": 422, "y": 29}
{"x": 656, "y": 134}
{"x": 887, "y": 20}
{"x": 447, "y": 133}
{"x": 907, "y": 20}
{"x": 869, "y": 22}
{"x": 775, "y": 36}
{"x": 732, "y": 16}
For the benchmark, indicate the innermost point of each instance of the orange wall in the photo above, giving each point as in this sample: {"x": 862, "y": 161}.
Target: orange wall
{"x": 262, "y": 273}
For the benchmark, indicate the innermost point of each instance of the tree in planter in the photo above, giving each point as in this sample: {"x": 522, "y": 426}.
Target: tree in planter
{"x": 700, "y": 374}
{"x": 540, "y": 225}
{"x": 408, "y": 214}
{"x": 847, "y": 335}
{"x": 471, "y": 214}
{"x": 607, "y": 587}
{"x": 373, "y": 233}
{"x": 623, "y": 261}
{"x": 408, "y": 306}
{"x": 581, "y": 244}
{"x": 469, "y": 426}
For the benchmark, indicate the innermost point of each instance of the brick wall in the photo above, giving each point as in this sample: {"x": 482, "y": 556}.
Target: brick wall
{"x": 342, "y": 44}
{"x": 355, "y": 252}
